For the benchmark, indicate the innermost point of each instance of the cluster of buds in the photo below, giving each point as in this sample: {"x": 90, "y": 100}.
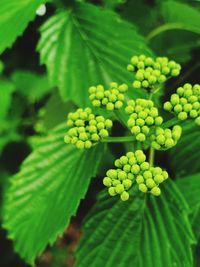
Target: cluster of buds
{"x": 185, "y": 103}
{"x": 86, "y": 129}
{"x": 133, "y": 168}
{"x": 110, "y": 99}
{"x": 149, "y": 72}
{"x": 143, "y": 115}
{"x": 164, "y": 139}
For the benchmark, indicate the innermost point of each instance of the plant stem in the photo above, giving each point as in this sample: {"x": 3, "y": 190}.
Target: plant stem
{"x": 170, "y": 123}
{"x": 118, "y": 139}
{"x": 151, "y": 156}
{"x": 163, "y": 28}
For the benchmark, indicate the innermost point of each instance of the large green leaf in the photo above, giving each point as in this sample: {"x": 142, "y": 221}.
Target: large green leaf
{"x": 30, "y": 84}
{"x": 46, "y": 192}
{"x": 14, "y": 17}
{"x": 151, "y": 232}
{"x": 185, "y": 155}
{"x": 87, "y": 46}
{"x": 181, "y": 16}
{"x": 6, "y": 89}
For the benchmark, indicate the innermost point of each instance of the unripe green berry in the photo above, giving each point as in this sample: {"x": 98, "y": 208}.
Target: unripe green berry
{"x": 130, "y": 67}
{"x": 127, "y": 168}
{"x": 140, "y": 137}
{"x": 130, "y": 154}
{"x": 112, "y": 174}
{"x": 135, "y": 169}
{"x": 135, "y": 130}
{"x": 144, "y": 166}
{"x": 119, "y": 188}
{"x": 96, "y": 103}
{"x": 175, "y": 72}
{"x": 103, "y": 133}
{"x": 127, "y": 183}
{"x": 118, "y": 163}
{"x": 80, "y": 144}
{"x": 112, "y": 191}
{"x": 124, "y": 196}
{"x": 182, "y": 116}
{"x": 193, "y": 113}
{"x": 155, "y": 191}
{"x": 159, "y": 178}
{"x": 137, "y": 84}
{"x": 150, "y": 183}
{"x": 122, "y": 175}
{"x": 108, "y": 124}
{"x": 178, "y": 108}
{"x": 180, "y": 91}
{"x": 149, "y": 120}
{"x": 110, "y": 106}
{"x": 143, "y": 188}
{"x": 107, "y": 181}
{"x": 123, "y": 160}
{"x": 187, "y": 107}
{"x": 165, "y": 174}
{"x": 139, "y": 179}
{"x": 118, "y": 104}
{"x": 88, "y": 144}
{"x": 129, "y": 109}
{"x": 158, "y": 120}
{"x": 132, "y": 161}
{"x": 147, "y": 174}
{"x": 167, "y": 106}
{"x": 95, "y": 137}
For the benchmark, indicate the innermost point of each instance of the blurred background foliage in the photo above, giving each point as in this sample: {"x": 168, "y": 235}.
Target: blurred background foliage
{"x": 31, "y": 104}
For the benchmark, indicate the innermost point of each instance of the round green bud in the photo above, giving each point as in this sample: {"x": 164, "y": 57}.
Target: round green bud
{"x": 107, "y": 181}
{"x": 197, "y": 121}
{"x": 112, "y": 192}
{"x": 132, "y": 161}
{"x": 155, "y": 145}
{"x": 103, "y": 133}
{"x": 118, "y": 104}
{"x": 112, "y": 174}
{"x": 196, "y": 105}
{"x": 193, "y": 113}
{"x": 120, "y": 97}
{"x": 83, "y": 136}
{"x": 143, "y": 188}
{"x": 129, "y": 109}
{"x": 144, "y": 166}
{"x": 140, "y": 122}
{"x": 139, "y": 179}
{"x": 180, "y": 91}
{"x": 187, "y": 107}
{"x": 193, "y": 98}
{"x": 127, "y": 168}
{"x": 118, "y": 163}
{"x": 92, "y": 90}
{"x": 157, "y": 170}
{"x": 122, "y": 175}
{"x": 140, "y": 137}
{"x": 108, "y": 124}
{"x": 100, "y": 95}
{"x": 115, "y": 182}
{"x": 158, "y": 120}
{"x": 131, "y": 123}
{"x": 127, "y": 183}
{"x": 70, "y": 123}
{"x": 169, "y": 142}
{"x": 134, "y": 60}
{"x": 124, "y": 196}
{"x": 110, "y": 106}
{"x": 96, "y": 103}
{"x": 135, "y": 169}
{"x": 80, "y": 144}
{"x": 155, "y": 191}
{"x": 119, "y": 188}
{"x": 149, "y": 120}
{"x": 167, "y": 106}
{"x": 123, "y": 160}
{"x": 137, "y": 84}
{"x": 95, "y": 137}
{"x": 159, "y": 178}
{"x": 135, "y": 130}
{"x": 113, "y": 85}
{"x": 165, "y": 175}
{"x": 162, "y": 78}
{"x": 100, "y": 125}
{"x": 165, "y": 70}
{"x": 130, "y": 176}
{"x": 72, "y": 132}
{"x": 139, "y": 76}
{"x": 182, "y": 116}
{"x": 100, "y": 88}
{"x": 147, "y": 174}
{"x": 130, "y": 67}
{"x": 183, "y": 101}
{"x": 145, "y": 129}
{"x": 140, "y": 65}
{"x": 74, "y": 140}
{"x": 168, "y": 133}
{"x": 92, "y": 128}
{"x": 88, "y": 144}
{"x": 159, "y": 131}
{"x": 141, "y": 158}
{"x": 130, "y": 154}
{"x": 112, "y": 98}
{"x": 174, "y": 99}
{"x": 145, "y": 84}
{"x": 178, "y": 108}
{"x": 150, "y": 183}
{"x": 175, "y": 72}
{"x": 160, "y": 139}
{"x": 152, "y": 79}
{"x": 67, "y": 139}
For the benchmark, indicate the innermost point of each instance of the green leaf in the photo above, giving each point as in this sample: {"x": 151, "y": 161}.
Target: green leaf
{"x": 113, "y": 3}
{"x": 87, "y": 46}
{"x": 6, "y": 89}
{"x": 181, "y": 16}
{"x": 46, "y": 192}
{"x": 185, "y": 155}
{"x": 30, "y": 84}
{"x": 139, "y": 232}
{"x": 14, "y": 18}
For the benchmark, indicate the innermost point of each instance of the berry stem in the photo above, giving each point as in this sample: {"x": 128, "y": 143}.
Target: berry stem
{"x": 151, "y": 156}
{"x": 170, "y": 122}
{"x": 118, "y": 139}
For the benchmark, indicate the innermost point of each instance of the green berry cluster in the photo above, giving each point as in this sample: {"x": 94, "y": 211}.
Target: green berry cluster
{"x": 133, "y": 168}
{"x": 150, "y": 72}
{"x": 111, "y": 99}
{"x": 164, "y": 139}
{"x": 143, "y": 115}
{"x": 86, "y": 129}
{"x": 185, "y": 103}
